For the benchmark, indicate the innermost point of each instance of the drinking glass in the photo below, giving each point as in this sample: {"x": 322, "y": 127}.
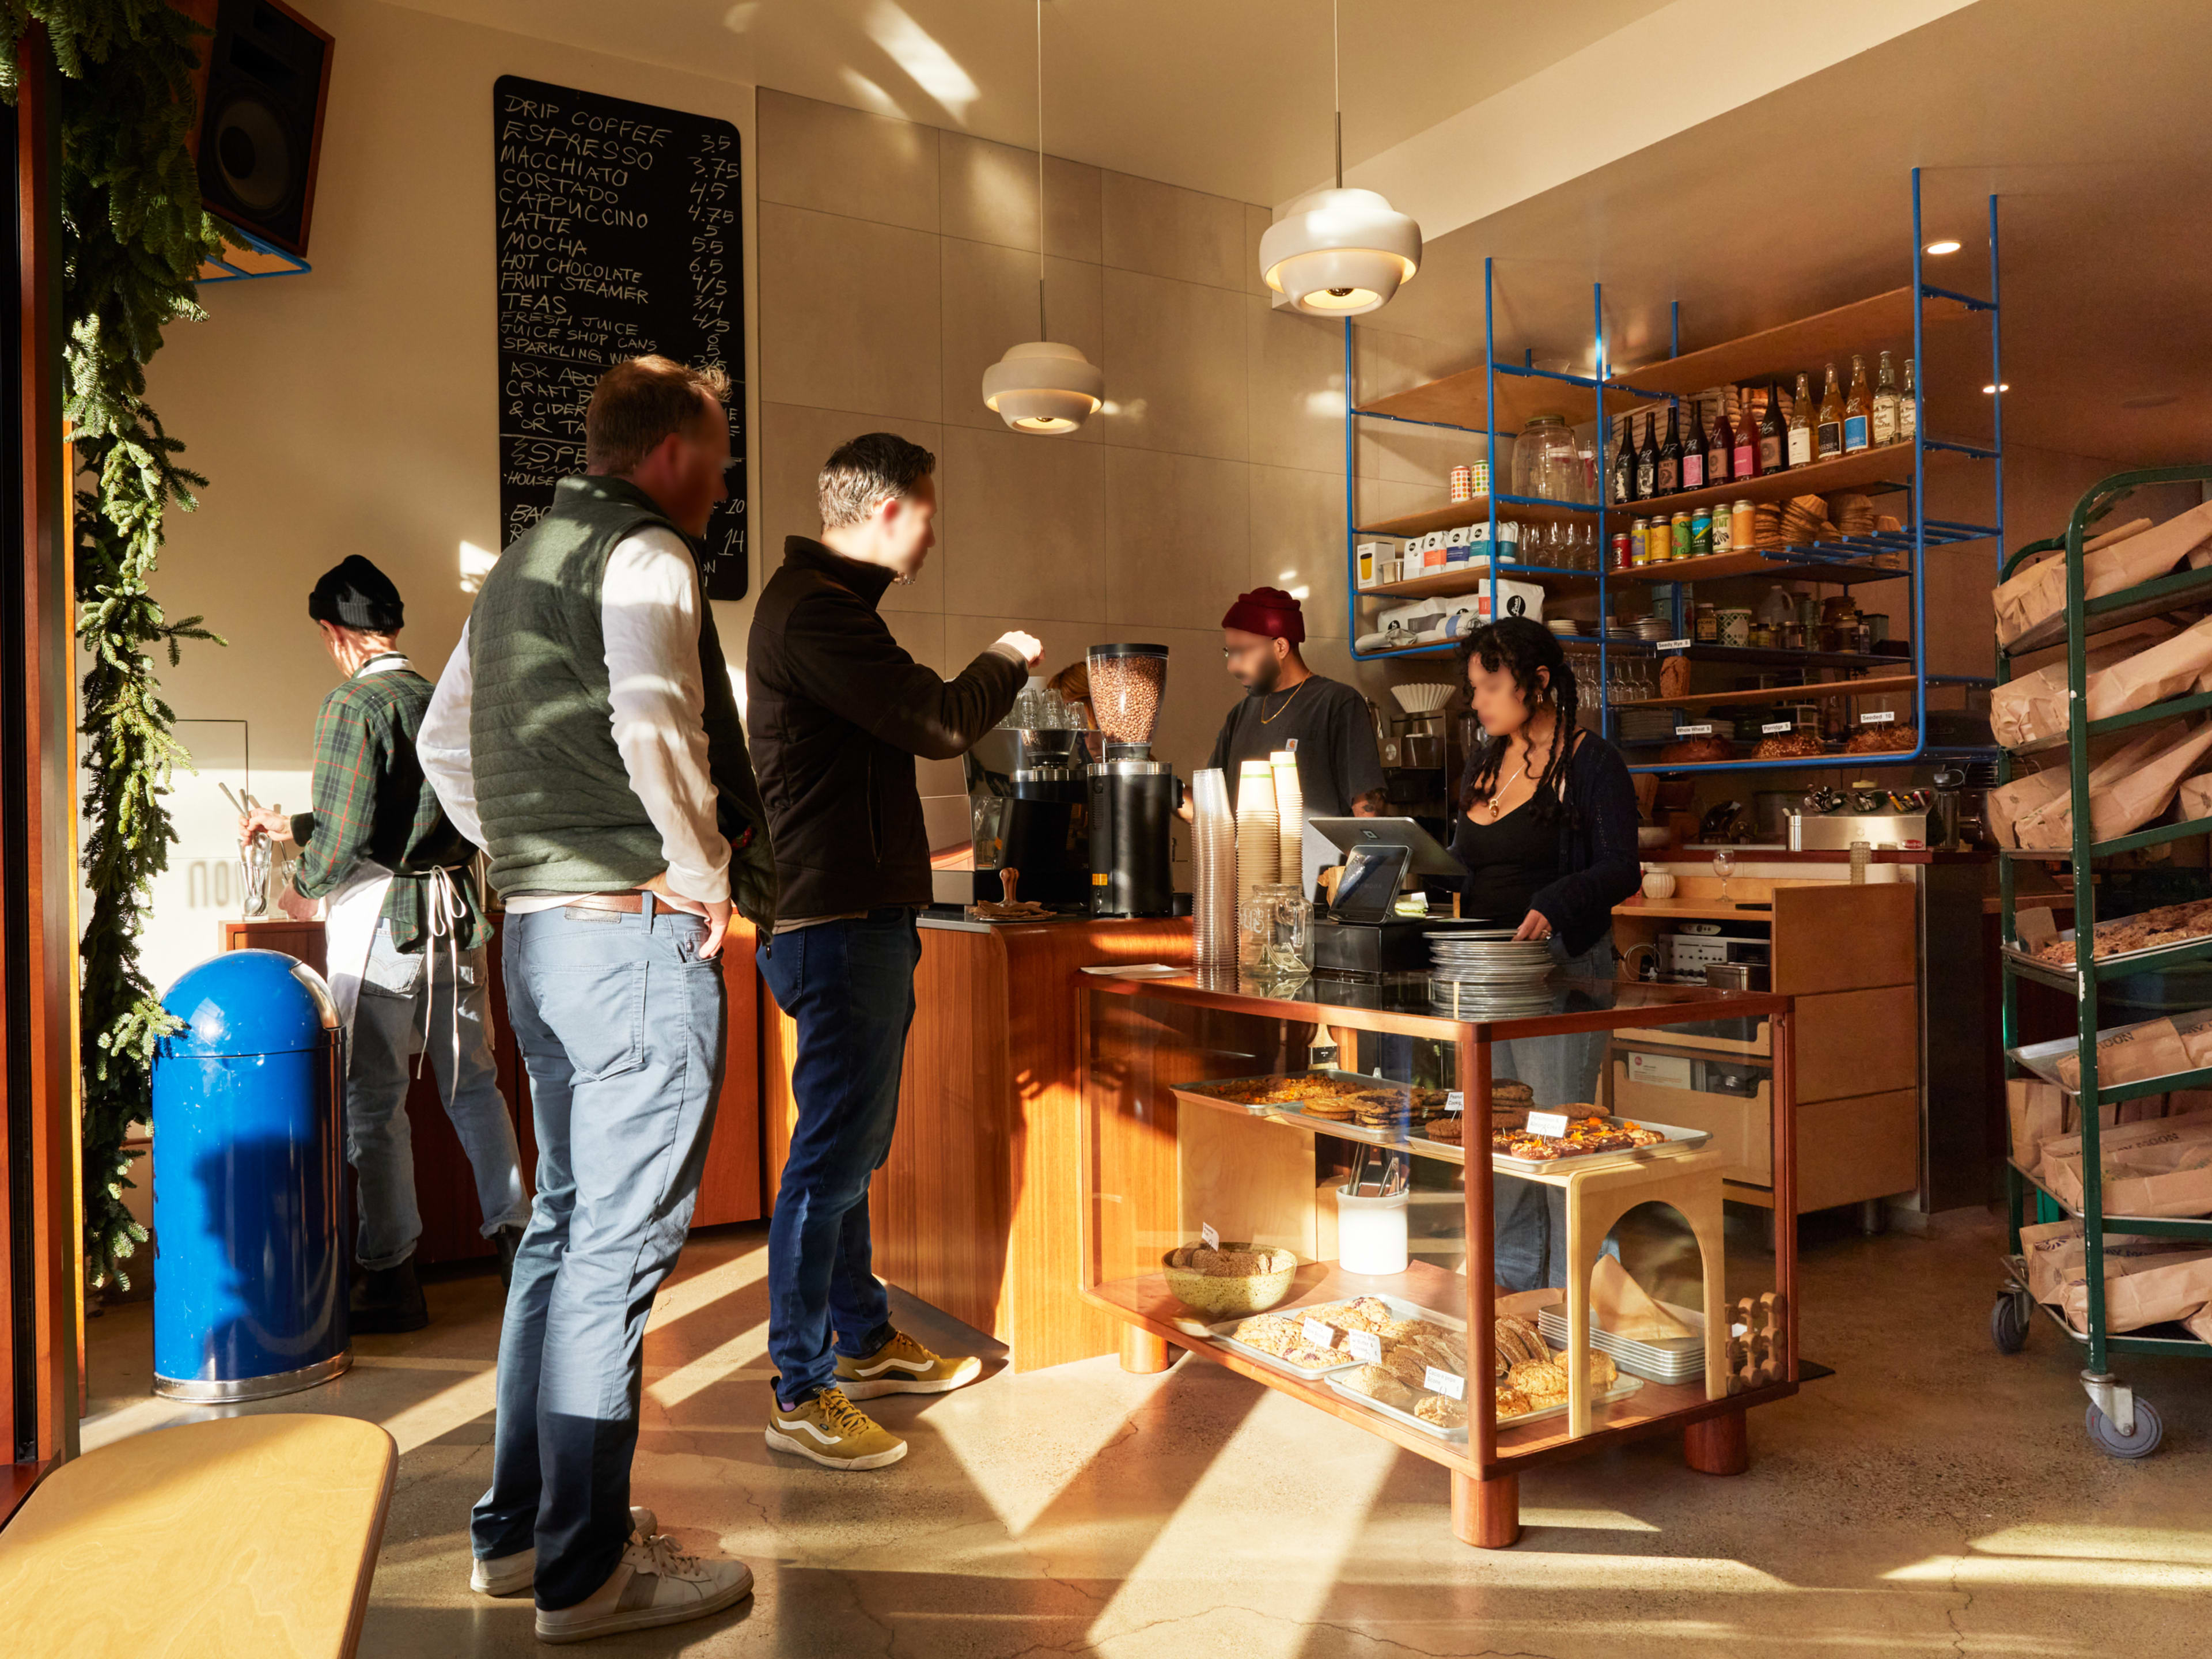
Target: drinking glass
{"x": 1724, "y": 866}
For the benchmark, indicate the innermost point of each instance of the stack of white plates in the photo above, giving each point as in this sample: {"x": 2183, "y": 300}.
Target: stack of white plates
{"x": 1456, "y": 1001}
{"x": 1680, "y": 1360}
{"x": 1213, "y": 894}
{"x": 1259, "y": 834}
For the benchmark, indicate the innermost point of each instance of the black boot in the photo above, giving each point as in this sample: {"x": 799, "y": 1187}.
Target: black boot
{"x": 509, "y": 1240}
{"x": 387, "y": 1300}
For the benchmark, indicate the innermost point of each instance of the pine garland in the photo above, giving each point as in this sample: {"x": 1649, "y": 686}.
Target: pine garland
{"x": 133, "y": 237}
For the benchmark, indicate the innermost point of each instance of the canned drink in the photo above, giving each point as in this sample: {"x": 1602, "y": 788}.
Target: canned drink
{"x": 1462, "y": 484}
{"x": 1724, "y": 530}
{"x": 1679, "y": 536}
{"x": 1701, "y": 533}
{"x": 1624, "y": 550}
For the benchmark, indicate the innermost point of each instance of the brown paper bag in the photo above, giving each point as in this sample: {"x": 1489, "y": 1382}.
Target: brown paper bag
{"x": 2162, "y": 1169}
{"x": 2125, "y": 793}
{"x": 2165, "y": 670}
{"x": 2040, "y": 1113}
{"x": 2129, "y": 1054}
{"x": 2196, "y": 797}
{"x": 2055, "y": 1254}
{"x": 1619, "y": 1304}
{"x": 2142, "y": 1288}
{"x": 2119, "y": 558}
{"x": 2032, "y": 708}
{"x": 2113, "y": 756}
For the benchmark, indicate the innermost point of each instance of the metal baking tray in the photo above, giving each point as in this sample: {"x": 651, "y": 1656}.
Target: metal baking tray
{"x": 1676, "y": 1359}
{"x": 1203, "y": 1093}
{"x": 1677, "y": 1141}
{"x": 2065, "y": 971}
{"x": 1399, "y": 1308}
{"x": 1626, "y": 1386}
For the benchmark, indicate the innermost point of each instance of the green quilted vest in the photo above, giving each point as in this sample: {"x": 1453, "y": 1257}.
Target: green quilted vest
{"x": 554, "y": 797}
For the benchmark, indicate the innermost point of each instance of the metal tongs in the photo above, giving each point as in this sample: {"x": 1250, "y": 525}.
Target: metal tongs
{"x": 254, "y": 857}
{"x": 1395, "y": 1176}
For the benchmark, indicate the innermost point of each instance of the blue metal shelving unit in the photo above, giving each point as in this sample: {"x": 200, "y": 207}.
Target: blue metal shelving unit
{"x": 1818, "y": 561}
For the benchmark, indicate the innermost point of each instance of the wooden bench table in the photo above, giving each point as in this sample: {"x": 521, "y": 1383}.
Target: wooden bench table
{"x": 246, "y": 1535}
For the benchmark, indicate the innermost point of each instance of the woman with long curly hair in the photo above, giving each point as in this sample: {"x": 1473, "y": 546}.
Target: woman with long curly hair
{"x": 1545, "y": 827}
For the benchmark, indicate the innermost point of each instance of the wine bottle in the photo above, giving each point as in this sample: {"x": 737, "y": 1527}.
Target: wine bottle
{"x": 1693, "y": 449}
{"x": 1745, "y": 462}
{"x": 1624, "y": 465}
{"x": 1670, "y": 454}
{"x": 1908, "y": 409}
{"x": 1773, "y": 434}
{"x": 1720, "y": 447}
{"x": 1801, "y": 424}
{"x": 1828, "y": 429}
{"x": 1647, "y": 460}
{"x": 1857, "y": 409}
{"x": 1885, "y": 404}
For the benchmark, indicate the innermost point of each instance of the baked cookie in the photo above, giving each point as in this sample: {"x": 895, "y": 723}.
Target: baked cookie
{"x": 1377, "y": 1383}
{"x": 1442, "y": 1410}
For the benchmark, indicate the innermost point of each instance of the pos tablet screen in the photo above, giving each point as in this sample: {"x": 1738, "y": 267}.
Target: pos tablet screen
{"x": 1368, "y": 886}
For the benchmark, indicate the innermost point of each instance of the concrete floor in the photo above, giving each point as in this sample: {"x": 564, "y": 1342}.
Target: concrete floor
{"x": 1932, "y": 1497}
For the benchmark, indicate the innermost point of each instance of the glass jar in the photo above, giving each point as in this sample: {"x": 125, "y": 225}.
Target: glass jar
{"x": 1709, "y": 627}
{"x": 1546, "y": 462}
{"x": 1274, "y": 932}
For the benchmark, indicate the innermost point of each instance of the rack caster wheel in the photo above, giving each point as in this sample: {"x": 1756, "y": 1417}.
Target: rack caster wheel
{"x": 2008, "y": 1321}
{"x": 2108, "y": 1438}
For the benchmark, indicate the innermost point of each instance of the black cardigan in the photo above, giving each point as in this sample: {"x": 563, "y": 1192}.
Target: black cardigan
{"x": 1598, "y": 867}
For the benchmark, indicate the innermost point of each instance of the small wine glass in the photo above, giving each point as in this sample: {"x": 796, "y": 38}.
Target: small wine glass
{"x": 1724, "y": 866}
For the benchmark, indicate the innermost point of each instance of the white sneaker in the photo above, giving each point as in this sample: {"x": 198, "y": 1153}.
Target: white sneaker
{"x": 511, "y": 1575}
{"x": 655, "y": 1583}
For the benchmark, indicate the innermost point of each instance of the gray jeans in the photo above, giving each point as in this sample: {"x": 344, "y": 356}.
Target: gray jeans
{"x": 407, "y": 1004}
{"x": 621, "y": 1029}
{"x": 1560, "y": 1071}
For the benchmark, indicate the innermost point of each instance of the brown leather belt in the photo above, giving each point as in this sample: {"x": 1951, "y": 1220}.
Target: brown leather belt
{"x": 632, "y": 903}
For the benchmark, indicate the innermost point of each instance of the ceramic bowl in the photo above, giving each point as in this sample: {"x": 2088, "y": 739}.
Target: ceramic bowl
{"x": 1220, "y": 1298}
{"x": 1658, "y": 885}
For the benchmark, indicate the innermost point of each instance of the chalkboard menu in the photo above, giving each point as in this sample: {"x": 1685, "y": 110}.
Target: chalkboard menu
{"x": 619, "y": 235}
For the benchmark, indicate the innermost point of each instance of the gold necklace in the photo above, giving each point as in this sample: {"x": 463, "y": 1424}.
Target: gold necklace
{"x": 1266, "y": 719}
{"x": 1495, "y": 813}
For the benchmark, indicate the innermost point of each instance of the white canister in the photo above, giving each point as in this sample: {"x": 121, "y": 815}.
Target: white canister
{"x": 1370, "y": 1232}
{"x": 1658, "y": 884}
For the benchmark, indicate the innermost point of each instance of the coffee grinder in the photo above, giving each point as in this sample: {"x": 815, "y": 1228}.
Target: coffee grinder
{"x": 1028, "y": 803}
{"x": 1132, "y": 796}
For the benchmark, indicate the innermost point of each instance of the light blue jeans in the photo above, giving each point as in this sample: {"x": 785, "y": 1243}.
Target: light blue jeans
{"x": 621, "y": 1028}
{"x": 1532, "y": 1219}
{"x": 407, "y": 1004}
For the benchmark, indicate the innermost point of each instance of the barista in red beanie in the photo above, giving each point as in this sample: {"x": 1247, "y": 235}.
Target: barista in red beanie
{"x": 1286, "y": 705}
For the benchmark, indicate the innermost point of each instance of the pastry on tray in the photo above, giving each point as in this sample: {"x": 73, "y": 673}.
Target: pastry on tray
{"x": 1377, "y": 1383}
{"x": 1511, "y": 1403}
{"x": 1446, "y": 1129}
{"x": 2169, "y": 924}
{"x": 1273, "y": 1333}
{"x": 1442, "y": 1410}
{"x": 1514, "y": 1340}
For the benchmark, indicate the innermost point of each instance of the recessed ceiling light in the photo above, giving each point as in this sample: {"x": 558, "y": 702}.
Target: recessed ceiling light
{"x": 2003, "y": 387}
{"x": 1941, "y": 248}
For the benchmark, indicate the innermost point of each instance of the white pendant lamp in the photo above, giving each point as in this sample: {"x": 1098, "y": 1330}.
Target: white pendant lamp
{"x": 1043, "y": 386}
{"x": 1340, "y": 253}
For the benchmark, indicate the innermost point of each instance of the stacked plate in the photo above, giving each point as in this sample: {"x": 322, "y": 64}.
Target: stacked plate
{"x": 1679, "y": 1359}
{"x": 1213, "y": 896}
{"x": 1489, "y": 974}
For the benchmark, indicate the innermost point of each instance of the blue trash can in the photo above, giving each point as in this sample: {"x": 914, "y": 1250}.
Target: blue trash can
{"x": 249, "y": 1195}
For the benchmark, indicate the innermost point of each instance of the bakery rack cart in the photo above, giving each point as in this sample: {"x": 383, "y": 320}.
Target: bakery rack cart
{"x": 1504, "y": 390}
{"x": 1164, "y": 1164}
{"x": 2120, "y": 1423}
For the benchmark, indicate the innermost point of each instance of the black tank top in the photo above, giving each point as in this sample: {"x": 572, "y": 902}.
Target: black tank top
{"x": 1509, "y": 862}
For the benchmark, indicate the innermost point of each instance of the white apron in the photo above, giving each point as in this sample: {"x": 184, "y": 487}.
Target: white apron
{"x": 352, "y": 911}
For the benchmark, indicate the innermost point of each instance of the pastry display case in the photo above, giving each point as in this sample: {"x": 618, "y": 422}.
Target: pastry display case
{"x": 1276, "y": 1180}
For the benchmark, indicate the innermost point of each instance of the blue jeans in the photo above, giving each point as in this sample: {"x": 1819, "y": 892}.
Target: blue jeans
{"x": 849, "y": 987}
{"x": 408, "y": 1005}
{"x": 621, "y": 1028}
{"x": 1531, "y": 1219}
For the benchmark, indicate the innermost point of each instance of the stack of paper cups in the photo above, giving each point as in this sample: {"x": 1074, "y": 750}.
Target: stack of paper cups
{"x": 1290, "y": 808}
{"x": 1259, "y": 832}
{"x": 1214, "y": 897}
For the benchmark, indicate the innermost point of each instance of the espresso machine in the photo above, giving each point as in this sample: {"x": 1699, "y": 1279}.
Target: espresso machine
{"x": 1132, "y": 796}
{"x": 1029, "y": 802}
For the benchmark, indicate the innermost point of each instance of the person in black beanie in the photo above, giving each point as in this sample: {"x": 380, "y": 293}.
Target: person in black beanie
{"x": 405, "y": 935}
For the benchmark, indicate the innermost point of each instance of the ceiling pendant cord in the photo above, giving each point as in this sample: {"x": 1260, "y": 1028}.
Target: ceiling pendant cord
{"x": 1043, "y": 333}
{"x": 1336, "y": 84}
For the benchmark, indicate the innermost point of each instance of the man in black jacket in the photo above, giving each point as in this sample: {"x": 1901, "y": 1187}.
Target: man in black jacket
{"x": 837, "y": 712}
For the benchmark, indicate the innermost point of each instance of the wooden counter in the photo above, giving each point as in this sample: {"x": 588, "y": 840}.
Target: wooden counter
{"x": 445, "y": 1188}
{"x": 977, "y": 1211}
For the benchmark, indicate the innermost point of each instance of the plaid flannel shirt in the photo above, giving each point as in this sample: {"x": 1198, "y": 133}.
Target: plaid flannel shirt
{"x": 372, "y": 802}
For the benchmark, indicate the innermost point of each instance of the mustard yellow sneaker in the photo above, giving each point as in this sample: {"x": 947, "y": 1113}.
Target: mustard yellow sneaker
{"x": 833, "y": 1431}
{"x": 903, "y": 1365}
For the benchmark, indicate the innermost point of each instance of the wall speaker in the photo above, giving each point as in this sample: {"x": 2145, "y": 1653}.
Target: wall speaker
{"x": 261, "y": 116}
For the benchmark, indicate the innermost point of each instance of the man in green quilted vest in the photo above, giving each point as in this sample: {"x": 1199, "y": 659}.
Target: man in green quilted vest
{"x": 586, "y": 735}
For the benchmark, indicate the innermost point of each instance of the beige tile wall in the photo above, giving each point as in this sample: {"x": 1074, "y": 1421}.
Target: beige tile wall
{"x": 897, "y": 263}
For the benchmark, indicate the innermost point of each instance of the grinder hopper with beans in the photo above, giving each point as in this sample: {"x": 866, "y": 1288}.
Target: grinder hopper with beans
{"x": 1132, "y": 796}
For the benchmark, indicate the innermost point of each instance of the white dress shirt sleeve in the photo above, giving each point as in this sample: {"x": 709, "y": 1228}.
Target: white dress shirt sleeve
{"x": 442, "y": 745}
{"x": 649, "y": 617}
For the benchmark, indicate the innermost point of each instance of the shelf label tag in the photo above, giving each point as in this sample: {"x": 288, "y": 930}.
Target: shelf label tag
{"x": 1704, "y": 730}
{"x": 1212, "y": 1238}
{"x": 1880, "y": 717}
{"x": 1454, "y": 1101}
{"x": 1547, "y": 1123}
{"x": 1673, "y": 644}
{"x": 1317, "y": 1334}
{"x": 1773, "y": 727}
{"x": 1365, "y": 1345}
{"x": 1448, "y": 1383}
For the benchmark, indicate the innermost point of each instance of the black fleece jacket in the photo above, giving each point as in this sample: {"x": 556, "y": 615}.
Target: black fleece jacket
{"x": 1598, "y": 867}
{"x": 837, "y": 712}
